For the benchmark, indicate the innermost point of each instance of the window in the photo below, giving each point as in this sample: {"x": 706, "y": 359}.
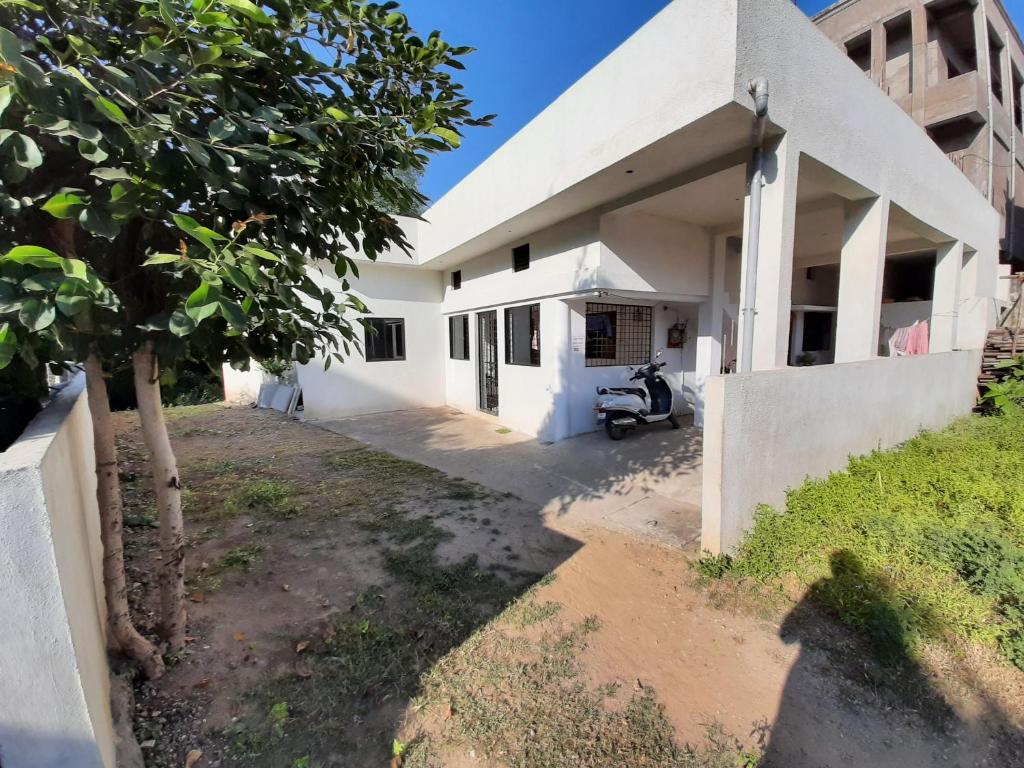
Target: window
{"x": 817, "y": 332}
{"x": 859, "y": 51}
{"x": 385, "y": 339}
{"x": 458, "y": 337}
{"x": 618, "y": 334}
{"x": 522, "y": 335}
{"x": 521, "y": 258}
{"x": 456, "y": 279}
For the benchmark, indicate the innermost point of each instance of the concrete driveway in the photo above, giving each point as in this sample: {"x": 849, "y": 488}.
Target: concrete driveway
{"x": 647, "y": 484}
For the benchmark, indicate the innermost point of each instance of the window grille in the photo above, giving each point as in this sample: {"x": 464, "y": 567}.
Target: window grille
{"x": 618, "y": 334}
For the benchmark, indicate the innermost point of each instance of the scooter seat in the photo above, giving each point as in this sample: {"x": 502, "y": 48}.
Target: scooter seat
{"x": 641, "y": 393}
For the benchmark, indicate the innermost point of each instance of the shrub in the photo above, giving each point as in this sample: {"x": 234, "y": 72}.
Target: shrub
{"x": 920, "y": 543}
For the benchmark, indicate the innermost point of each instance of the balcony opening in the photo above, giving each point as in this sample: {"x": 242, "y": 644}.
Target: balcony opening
{"x": 1018, "y": 88}
{"x": 859, "y": 51}
{"x": 951, "y": 48}
{"x": 957, "y": 138}
{"x": 995, "y": 62}
{"x": 899, "y": 57}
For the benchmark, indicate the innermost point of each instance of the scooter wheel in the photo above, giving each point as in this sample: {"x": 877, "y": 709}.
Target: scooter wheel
{"x": 614, "y": 432}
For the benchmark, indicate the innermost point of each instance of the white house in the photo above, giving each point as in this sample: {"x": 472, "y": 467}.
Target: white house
{"x": 623, "y": 219}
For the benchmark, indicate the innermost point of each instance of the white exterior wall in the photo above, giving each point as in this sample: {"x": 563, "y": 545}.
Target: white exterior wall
{"x": 358, "y": 387}
{"x": 767, "y": 432}
{"x": 55, "y": 708}
{"x": 652, "y": 253}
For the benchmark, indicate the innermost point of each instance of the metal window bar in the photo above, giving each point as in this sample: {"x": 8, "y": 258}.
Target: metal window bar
{"x": 618, "y": 334}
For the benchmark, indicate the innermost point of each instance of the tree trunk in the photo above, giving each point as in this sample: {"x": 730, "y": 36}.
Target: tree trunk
{"x": 120, "y": 632}
{"x": 164, "y": 470}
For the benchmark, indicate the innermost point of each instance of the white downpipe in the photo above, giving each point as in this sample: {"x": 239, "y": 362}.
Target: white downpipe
{"x": 759, "y": 90}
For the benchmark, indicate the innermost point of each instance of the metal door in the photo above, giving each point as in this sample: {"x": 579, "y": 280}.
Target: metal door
{"x": 487, "y": 360}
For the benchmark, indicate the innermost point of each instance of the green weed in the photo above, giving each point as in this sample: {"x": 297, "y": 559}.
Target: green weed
{"x": 924, "y": 543}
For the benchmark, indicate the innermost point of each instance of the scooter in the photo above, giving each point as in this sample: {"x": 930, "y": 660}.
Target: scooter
{"x": 621, "y": 409}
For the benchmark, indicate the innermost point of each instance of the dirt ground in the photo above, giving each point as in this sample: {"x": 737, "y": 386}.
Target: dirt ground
{"x": 349, "y": 608}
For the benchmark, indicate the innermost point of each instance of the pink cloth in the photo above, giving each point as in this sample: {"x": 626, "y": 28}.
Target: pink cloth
{"x": 917, "y": 344}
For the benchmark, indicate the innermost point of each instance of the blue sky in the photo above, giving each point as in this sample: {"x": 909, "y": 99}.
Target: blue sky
{"x": 529, "y": 52}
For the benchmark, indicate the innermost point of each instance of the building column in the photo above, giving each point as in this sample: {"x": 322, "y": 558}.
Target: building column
{"x": 919, "y": 61}
{"x": 774, "y": 284}
{"x": 949, "y": 264}
{"x": 878, "y": 53}
{"x": 709, "y": 326}
{"x": 861, "y": 268}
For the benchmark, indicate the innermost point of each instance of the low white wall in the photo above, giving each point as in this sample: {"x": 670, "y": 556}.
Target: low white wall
{"x": 766, "y": 432}
{"x": 54, "y": 708}
{"x": 243, "y": 387}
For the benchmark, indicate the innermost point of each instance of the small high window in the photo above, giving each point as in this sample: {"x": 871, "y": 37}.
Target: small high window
{"x": 618, "y": 334}
{"x": 385, "y": 339}
{"x": 995, "y": 58}
{"x": 456, "y": 279}
{"x": 522, "y": 335}
{"x": 458, "y": 337}
{"x": 1018, "y": 90}
{"x": 521, "y": 258}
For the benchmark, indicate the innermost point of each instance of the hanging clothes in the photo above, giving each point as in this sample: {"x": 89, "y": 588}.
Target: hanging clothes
{"x": 918, "y": 341}
{"x": 898, "y": 342}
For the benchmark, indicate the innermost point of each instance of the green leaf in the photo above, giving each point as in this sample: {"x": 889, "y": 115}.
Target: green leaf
{"x": 8, "y": 345}
{"x": 261, "y": 253}
{"x": 26, "y": 152}
{"x": 111, "y": 110}
{"x": 35, "y": 256}
{"x": 37, "y": 314}
{"x": 5, "y": 98}
{"x": 280, "y": 138}
{"x": 202, "y": 302}
{"x": 203, "y": 234}
{"x": 75, "y": 73}
{"x": 220, "y": 129}
{"x": 233, "y": 313}
{"x": 197, "y": 152}
{"x": 92, "y": 152}
{"x": 181, "y": 324}
{"x": 98, "y": 222}
{"x": 65, "y": 204}
{"x": 249, "y": 10}
{"x": 339, "y": 115}
{"x": 208, "y": 55}
{"x": 75, "y": 268}
{"x": 111, "y": 174}
{"x": 163, "y": 258}
{"x": 72, "y": 297}
{"x": 451, "y": 137}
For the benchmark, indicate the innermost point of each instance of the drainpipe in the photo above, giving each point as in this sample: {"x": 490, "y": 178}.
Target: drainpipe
{"x": 759, "y": 90}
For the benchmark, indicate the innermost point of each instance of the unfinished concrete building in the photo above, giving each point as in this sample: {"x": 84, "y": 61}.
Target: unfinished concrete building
{"x": 957, "y": 68}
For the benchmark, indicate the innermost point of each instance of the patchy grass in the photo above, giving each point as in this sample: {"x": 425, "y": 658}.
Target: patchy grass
{"x": 518, "y": 698}
{"x": 240, "y": 559}
{"x": 270, "y": 498}
{"x": 917, "y": 545}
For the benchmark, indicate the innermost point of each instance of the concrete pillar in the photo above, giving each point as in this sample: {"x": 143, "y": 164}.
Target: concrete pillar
{"x": 861, "y": 268}
{"x": 775, "y": 259}
{"x": 949, "y": 264}
{"x": 919, "y": 57}
{"x": 878, "y": 54}
{"x": 709, "y": 326}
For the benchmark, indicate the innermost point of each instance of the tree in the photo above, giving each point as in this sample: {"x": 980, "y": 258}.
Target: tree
{"x": 170, "y": 169}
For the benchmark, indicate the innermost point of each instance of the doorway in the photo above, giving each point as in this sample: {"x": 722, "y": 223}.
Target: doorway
{"x": 487, "y": 361}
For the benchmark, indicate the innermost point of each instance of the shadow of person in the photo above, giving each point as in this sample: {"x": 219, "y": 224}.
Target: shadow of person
{"x": 863, "y": 702}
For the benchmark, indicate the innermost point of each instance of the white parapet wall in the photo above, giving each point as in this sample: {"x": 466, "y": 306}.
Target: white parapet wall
{"x": 767, "y": 432}
{"x": 55, "y": 702}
